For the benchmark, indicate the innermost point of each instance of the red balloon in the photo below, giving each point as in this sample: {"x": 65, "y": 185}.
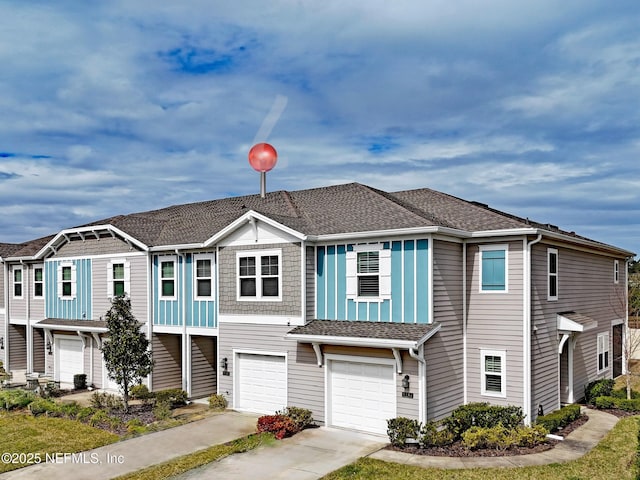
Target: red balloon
{"x": 263, "y": 157}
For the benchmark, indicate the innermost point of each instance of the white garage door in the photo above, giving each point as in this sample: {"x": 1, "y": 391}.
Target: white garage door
{"x": 261, "y": 384}
{"x": 70, "y": 361}
{"x": 362, "y": 395}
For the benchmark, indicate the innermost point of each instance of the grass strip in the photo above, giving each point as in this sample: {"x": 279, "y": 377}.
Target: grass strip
{"x": 613, "y": 457}
{"x": 202, "y": 457}
{"x": 38, "y": 436}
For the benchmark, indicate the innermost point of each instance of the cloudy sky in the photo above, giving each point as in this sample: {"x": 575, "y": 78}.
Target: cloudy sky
{"x": 110, "y": 107}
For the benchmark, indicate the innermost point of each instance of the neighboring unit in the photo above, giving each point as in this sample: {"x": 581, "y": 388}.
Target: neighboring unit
{"x": 358, "y": 304}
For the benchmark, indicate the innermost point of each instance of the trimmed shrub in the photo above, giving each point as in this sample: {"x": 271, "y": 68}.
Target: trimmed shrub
{"x": 632, "y": 405}
{"x": 433, "y": 435}
{"x": 531, "y": 436}
{"x": 302, "y": 417}
{"x": 280, "y": 425}
{"x": 598, "y": 388}
{"x": 106, "y": 401}
{"x": 622, "y": 393}
{"x": 482, "y": 415}
{"x": 15, "y": 398}
{"x": 140, "y": 392}
{"x": 558, "y": 419}
{"x": 605, "y": 402}
{"x": 42, "y": 406}
{"x": 501, "y": 438}
{"x": 217, "y": 402}
{"x": 399, "y": 429}
{"x": 162, "y": 409}
{"x": 175, "y": 396}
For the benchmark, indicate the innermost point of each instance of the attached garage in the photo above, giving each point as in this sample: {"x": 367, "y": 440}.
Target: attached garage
{"x": 69, "y": 358}
{"x": 260, "y": 382}
{"x": 361, "y": 393}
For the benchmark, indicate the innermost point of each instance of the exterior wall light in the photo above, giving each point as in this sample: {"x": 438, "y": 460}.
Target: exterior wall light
{"x": 1, "y": 343}
{"x": 49, "y": 347}
{"x": 225, "y": 367}
{"x": 406, "y": 384}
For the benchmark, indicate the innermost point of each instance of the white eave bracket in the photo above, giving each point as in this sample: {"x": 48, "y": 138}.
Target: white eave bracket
{"x": 318, "y": 349}
{"x": 398, "y": 357}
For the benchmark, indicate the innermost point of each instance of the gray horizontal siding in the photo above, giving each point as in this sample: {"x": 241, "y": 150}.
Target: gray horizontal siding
{"x": 38, "y": 350}
{"x": 139, "y": 286}
{"x": 203, "y": 366}
{"x": 17, "y": 347}
{"x": 167, "y": 357}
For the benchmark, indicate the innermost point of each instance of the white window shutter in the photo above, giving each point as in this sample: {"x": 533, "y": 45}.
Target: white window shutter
{"x": 127, "y": 278}
{"x": 384, "y": 258}
{"x": 110, "y": 280}
{"x": 73, "y": 281}
{"x": 352, "y": 279}
{"x": 59, "y": 278}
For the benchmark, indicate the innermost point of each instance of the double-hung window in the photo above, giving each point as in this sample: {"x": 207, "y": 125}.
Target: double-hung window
{"x": 616, "y": 271}
{"x": 493, "y": 373}
{"x": 118, "y": 278}
{"x": 38, "y": 282}
{"x": 552, "y": 274}
{"x": 167, "y": 278}
{"x": 493, "y": 268}
{"x": 368, "y": 274}
{"x": 17, "y": 282}
{"x": 67, "y": 281}
{"x": 259, "y": 275}
{"x": 203, "y": 276}
{"x": 603, "y": 352}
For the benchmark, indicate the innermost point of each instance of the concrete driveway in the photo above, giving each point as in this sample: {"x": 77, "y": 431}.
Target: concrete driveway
{"x": 310, "y": 454}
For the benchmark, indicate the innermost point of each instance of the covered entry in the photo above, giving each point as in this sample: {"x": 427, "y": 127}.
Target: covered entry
{"x": 570, "y": 325}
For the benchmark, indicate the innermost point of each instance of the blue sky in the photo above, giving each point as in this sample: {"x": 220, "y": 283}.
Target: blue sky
{"x": 117, "y": 107}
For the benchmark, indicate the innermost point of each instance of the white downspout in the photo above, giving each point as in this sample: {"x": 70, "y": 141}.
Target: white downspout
{"x": 465, "y": 389}
{"x": 186, "y": 350}
{"x": 418, "y": 354}
{"x": 7, "y": 311}
{"x": 29, "y": 332}
{"x": 150, "y": 310}
{"x": 526, "y": 331}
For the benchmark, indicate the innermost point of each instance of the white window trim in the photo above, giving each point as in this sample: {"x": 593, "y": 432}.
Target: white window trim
{"x": 74, "y": 285}
{"x": 127, "y": 276}
{"x": 550, "y": 297}
{"x": 616, "y": 271}
{"x": 195, "y": 258}
{"x": 503, "y": 373}
{"x": 603, "y": 340}
{"x": 384, "y": 272}
{"x": 164, "y": 259}
{"x": 14, "y": 283}
{"x": 257, "y": 254}
{"x": 487, "y": 248}
{"x": 35, "y": 282}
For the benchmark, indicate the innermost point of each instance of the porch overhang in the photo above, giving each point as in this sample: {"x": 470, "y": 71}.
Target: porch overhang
{"x": 393, "y": 336}
{"x": 89, "y": 326}
{"x": 570, "y": 323}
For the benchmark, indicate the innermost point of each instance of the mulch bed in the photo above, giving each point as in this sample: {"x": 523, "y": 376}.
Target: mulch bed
{"x": 456, "y": 449}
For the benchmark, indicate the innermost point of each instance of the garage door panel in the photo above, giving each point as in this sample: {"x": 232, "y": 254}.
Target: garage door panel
{"x": 362, "y": 395}
{"x": 70, "y": 359}
{"x": 262, "y": 383}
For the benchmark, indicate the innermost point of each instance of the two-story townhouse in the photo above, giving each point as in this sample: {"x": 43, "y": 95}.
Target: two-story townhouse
{"x": 358, "y": 304}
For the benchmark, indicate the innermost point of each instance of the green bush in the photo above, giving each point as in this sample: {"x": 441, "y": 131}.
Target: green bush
{"x": 399, "y": 429}
{"x": 301, "y": 417}
{"x": 69, "y": 409}
{"x": 162, "y": 409}
{"x": 85, "y": 413}
{"x": 502, "y": 438}
{"x": 432, "y": 434}
{"x": 100, "y": 417}
{"x": 41, "y": 406}
{"x": 482, "y": 415}
{"x": 140, "y": 392}
{"x": 558, "y": 419}
{"x": 531, "y": 436}
{"x": 622, "y": 393}
{"x": 598, "y": 388}
{"x": 605, "y": 402}
{"x": 106, "y": 401}
{"x": 217, "y": 402}
{"x": 632, "y": 405}
{"x": 15, "y": 398}
{"x": 175, "y": 396}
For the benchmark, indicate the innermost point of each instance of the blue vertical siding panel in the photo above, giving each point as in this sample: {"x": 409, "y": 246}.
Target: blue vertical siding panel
{"x": 191, "y": 310}
{"x": 374, "y": 312}
{"x": 362, "y": 310}
{"x": 351, "y": 310}
{"x": 409, "y": 294}
{"x": 331, "y": 282}
{"x": 321, "y": 278}
{"x": 156, "y": 293}
{"x": 341, "y": 274}
{"x": 396, "y": 281}
{"x": 385, "y": 311}
{"x": 422, "y": 281}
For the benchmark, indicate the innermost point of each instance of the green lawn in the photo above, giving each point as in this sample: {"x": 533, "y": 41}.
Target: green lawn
{"x": 37, "y": 436}
{"x": 613, "y": 458}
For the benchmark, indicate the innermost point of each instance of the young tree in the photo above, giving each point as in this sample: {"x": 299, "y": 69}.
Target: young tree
{"x": 126, "y": 353}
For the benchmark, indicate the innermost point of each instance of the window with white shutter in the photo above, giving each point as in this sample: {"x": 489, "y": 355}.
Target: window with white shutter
{"x": 368, "y": 271}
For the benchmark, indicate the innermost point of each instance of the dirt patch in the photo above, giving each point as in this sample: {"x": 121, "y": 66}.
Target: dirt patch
{"x": 456, "y": 449}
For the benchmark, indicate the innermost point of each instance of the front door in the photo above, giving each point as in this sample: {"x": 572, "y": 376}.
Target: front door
{"x": 617, "y": 350}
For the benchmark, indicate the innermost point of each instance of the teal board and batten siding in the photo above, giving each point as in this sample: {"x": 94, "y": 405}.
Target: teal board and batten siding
{"x": 409, "y": 299}
{"x": 75, "y": 308}
{"x": 168, "y": 312}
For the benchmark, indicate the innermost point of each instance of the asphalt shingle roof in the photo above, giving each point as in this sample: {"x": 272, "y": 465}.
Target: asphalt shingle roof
{"x": 412, "y": 332}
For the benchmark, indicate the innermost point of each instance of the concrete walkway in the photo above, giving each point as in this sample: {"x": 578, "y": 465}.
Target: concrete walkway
{"x": 307, "y": 455}
{"x": 131, "y": 455}
{"x": 576, "y": 444}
